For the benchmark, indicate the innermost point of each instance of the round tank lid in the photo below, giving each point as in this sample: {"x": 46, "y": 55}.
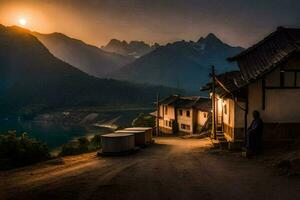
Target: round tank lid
{"x": 116, "y": 135}
{"x": 130, "y": 131}
{"x": 138, "y": 128}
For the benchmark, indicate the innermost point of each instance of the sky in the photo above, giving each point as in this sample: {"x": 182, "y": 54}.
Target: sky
{"x": 237, "y": 22}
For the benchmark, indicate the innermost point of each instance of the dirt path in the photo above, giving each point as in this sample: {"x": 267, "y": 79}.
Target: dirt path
{"x": 171, "y": 169}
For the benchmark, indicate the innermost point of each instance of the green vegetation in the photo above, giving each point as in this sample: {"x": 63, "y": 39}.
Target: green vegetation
{"x": 81, "y": 145}
{"x": 16, "y": 151}
{"x": 144, "y": 121}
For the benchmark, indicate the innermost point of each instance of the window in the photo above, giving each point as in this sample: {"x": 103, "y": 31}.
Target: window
{"x": 188, "y": 127}
{"x": 184, "y": 126}
{"x": 188, "y": 113}
{"x": 180, "y": 112}
{"x": 225, "y": 109}
{"x": 166, "y": 110}
{"x": 168, "y": 123}
{"x": 289, "y": 79}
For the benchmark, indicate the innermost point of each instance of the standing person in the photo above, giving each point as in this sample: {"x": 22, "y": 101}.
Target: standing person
{"x": 254, "y": 134}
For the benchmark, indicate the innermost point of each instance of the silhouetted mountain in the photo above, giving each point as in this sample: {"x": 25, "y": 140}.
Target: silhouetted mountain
{"x": 181, "y": 64}
{"x": 32, "y": 79}
{"x": 85, "y": 57}
{"x": 134, "y": 49}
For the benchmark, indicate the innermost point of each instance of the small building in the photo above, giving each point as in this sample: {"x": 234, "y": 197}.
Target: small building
{"x": 269, "y": 82}
{"x": 180, "y": 114}
{"x": 229, "y": 110}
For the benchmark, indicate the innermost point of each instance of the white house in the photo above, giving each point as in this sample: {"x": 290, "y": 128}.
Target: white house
{"x": 179, "y": 114}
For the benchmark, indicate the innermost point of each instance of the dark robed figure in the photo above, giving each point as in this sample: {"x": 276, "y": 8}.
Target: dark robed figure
{"x": 254, "y": 134}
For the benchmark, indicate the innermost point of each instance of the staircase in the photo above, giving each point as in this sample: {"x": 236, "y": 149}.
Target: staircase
{"x": 221, "y": 141}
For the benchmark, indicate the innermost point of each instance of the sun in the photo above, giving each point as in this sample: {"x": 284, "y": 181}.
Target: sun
{"x": 22, "y": 21}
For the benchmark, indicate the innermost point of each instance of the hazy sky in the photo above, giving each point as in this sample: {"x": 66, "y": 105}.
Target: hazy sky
{"x": 238, "y": 22}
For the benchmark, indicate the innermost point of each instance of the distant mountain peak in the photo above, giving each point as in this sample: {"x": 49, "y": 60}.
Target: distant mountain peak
{"x": 212, "y": 39}
{"x": 211, "y": 36}
{"x": 133, "y": 48}
{"x": 200, "y": 39}
{"x": 180, "y": 64}
{"x": 88, "y": 58}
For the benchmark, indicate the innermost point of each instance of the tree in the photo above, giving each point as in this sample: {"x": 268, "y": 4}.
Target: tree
{"x": 143, "y": 120}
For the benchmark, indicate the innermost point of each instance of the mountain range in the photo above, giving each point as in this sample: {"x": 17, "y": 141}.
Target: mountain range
{"x": 134, "y": 49}
{"x": 85, "y": 57}
{"x": 32, "y": 80}
{"x": 183, "y": 64}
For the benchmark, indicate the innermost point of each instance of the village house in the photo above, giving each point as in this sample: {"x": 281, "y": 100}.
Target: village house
{"x": 186, "y": 115}
{"x": 229, "y": 107}
{"x": 269, "y": 82}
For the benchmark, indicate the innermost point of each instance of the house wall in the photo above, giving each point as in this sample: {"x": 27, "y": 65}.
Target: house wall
{"x": 165, "y": 118}
{"x": 201, "y": 117}
{"x": 228, "y": 118}
{"x": 281, "y": 104}
{"x": 183, "y": 120}
{"x": 233, "y": 119}
{"x": 239, "y": 120}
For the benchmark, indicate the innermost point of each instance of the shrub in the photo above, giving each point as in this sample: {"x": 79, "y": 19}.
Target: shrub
{"x": 81, "y": 145}
{"x": 143, "y": 120}
{"x": 20, "y": 151}
{"x": 71, "y": 148}
{"x": 96, "y": 141}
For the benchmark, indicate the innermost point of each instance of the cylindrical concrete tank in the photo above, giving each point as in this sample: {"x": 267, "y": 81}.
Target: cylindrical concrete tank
{"x": 139, "y": 136}
{"x": 148, "y": 131}
{"x": 117, "y": 143}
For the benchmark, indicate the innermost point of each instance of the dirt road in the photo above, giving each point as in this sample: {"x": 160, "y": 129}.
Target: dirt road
{"x": 171, "y": 169}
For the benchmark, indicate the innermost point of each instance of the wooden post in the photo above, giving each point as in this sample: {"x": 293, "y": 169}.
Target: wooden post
{"x": 213, "y": 129}
{"x": 157, "y": 114}
{"x": 246, "y": 119}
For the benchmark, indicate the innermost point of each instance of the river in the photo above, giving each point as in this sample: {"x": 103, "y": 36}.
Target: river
{"x": 56, "y": 134}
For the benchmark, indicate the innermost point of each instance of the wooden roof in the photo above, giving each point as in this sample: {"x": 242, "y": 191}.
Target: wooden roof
{"x": 268, "y": 53}
{"x": 228, "y": 83}
{"x": 201, "y": 103}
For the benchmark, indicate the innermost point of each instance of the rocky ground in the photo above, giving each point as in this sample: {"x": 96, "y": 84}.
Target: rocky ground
{"x": 173, "y": 168}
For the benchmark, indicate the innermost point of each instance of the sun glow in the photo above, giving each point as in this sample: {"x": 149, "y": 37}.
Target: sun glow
{"x": 22, "y": 21}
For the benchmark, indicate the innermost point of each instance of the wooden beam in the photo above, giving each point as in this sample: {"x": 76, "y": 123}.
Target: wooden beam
{"x": 263, "y": 94}
{"x": 214, "y": 133}
{"x": 281, "y": 78}
{"x": 273, "y": 88}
